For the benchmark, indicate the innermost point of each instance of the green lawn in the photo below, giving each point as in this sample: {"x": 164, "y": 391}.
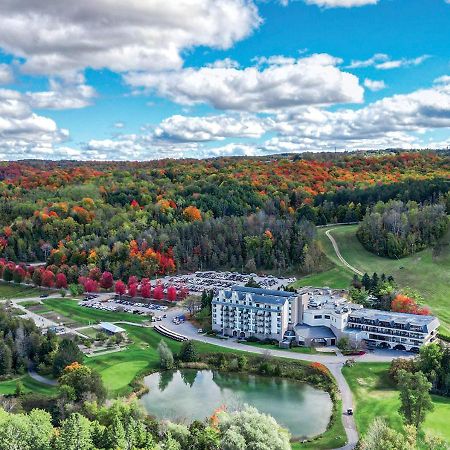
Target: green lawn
{"x": 376, "y": 396}
{"x": 10, "y": 290}
{"x": 307, "y": 350}
{"x": 30, "y": 385}
{"x": 428, "y": 274}
{"x": 80, "y": 314}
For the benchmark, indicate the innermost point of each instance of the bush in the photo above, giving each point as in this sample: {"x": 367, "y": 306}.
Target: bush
{"x": 188, "y": 352}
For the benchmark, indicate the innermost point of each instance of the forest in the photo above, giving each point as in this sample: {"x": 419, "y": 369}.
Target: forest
{"x": 397, "y": 229}
{"x": 244, "y": 213}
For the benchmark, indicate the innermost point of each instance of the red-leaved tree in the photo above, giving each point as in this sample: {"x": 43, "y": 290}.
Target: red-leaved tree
{"x": 146, "y": 290}
{"x": 106, "y": 281}
{"x": 61, "y": 281}
{"x": 120, "y": 287}
{"x": 48, "y": 278}
{"x": 171, "y": 294}
{"x": 158, "y": 292}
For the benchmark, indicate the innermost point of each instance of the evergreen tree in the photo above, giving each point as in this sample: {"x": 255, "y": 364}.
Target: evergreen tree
{"x": 188, "y": 352}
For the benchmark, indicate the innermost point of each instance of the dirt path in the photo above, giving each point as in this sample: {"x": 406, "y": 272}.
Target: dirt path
{"x": 338, "y": 254}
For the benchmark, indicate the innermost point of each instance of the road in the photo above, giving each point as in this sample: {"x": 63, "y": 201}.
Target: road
{"x": 338, "y": 254}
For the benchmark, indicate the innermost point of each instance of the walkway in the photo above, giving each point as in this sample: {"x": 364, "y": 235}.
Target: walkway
{"x": 49, "y": 382}
{"x": 338, "y": 254}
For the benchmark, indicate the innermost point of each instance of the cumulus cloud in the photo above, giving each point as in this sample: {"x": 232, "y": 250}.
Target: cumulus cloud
{"x": 23, "y": 132}
{"x": 55, "y": 37}
{"x": 391, "y": 120}
{"x": 209, "y": 128}
{"x": 374, "y": 85}
{"x": 62, "y": 96}
{"x": 6, "y": 75}
{"x": 382, "y": 61}
{"x": 268, "y": 86}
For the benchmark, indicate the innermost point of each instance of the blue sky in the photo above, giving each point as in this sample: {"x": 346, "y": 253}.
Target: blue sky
{"x": 201, "y": 78}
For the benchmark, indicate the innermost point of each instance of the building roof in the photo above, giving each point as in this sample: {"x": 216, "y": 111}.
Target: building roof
{"x": 261, "y": 291}
{"x": 310, "y": 332}
{"x": 111, "y": 327}
{"x": 395, "y": 317}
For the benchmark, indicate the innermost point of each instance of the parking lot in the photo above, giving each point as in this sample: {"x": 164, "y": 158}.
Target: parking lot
{"x": 197, "y": 282}
{"x": 117, "y": 305}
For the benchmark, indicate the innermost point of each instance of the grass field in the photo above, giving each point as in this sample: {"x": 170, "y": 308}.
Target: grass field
{"x": 428, "y": 274}
{"x": 30, "y": 385}
{"x": 9, "y": 290}
{"x": 376, "y": 396}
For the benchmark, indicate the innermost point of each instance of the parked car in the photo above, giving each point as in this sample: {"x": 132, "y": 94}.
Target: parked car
{"x": 350, "y": 412}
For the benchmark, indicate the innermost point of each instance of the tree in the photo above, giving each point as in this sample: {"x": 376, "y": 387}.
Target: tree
{"x": 172, "y": 294}
{"x": 398, "y": 364}
{"x": 120, "y": 288}
{"x": 188, "y": 352}
{"x": 5, "y": 359}
{"x": 68, "y": 352}
{"x": 414, "y": 396}
{"x": 8, "y": 272}
{"x": 37, "y": 277}
{"x": 343, "y": 344}
{"x": 83, "y": 380}
{"x": 19, "y": 274}
{"x": 74, "y": 434}
{"x": 48, "y": 278}
{"x": 158, "y": 292}
{"x": 106, "y": 280}
{"x": 380, "y": 437}
{"x": 61, "y": 281}
{"x": 146, "y": 290}
{"x": 429, "y": 361}
{"x": 165, "y": 356}
{"x": 249, "y": 428}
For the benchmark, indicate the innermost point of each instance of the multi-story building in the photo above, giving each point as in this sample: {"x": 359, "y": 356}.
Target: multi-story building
{"x": 386, "y": 329}
{"x": 244, "y": 311}
{"x": 316, "y": 316}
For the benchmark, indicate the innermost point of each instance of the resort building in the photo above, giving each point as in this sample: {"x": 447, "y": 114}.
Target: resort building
{"x": 243, "y": 312}
{"x": 316, "y": 316}
{"x": 110, "y": 328}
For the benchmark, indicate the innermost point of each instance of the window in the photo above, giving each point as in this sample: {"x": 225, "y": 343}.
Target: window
{"x": 327, "y": 317}
{"x": 317, "y": 317}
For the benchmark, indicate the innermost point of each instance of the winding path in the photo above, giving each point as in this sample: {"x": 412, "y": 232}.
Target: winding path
{"x": 339, "y": 255}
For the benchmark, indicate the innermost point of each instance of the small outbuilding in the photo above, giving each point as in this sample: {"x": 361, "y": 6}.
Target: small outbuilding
{"x": 110, "y": 328}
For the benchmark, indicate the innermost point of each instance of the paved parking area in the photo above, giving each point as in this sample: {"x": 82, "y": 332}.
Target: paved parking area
{"x": 197, "y": 282}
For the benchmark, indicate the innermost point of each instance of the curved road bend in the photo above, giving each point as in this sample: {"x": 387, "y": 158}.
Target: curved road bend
{"x": 338, "y": 254}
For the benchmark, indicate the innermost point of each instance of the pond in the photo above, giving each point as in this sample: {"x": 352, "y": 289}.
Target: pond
{"x": 186, "y": 395}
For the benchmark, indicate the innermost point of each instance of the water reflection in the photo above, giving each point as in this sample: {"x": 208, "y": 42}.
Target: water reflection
{"x": 187, "y": 395}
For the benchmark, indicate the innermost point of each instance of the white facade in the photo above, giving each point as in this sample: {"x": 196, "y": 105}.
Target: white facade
{"x": 243, "y": 312}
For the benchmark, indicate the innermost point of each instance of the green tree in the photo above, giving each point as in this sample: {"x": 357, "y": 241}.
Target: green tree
{"x": 414, "y": 397}
{"x": 5, "y": 358}
{"x": 83, "y": 380}
{"x": 188, "y": 352}
{"x": 249, "y": 429}
{"x": 429, "y": 361}
{"x": 165, "y": 356}
{"x": 68, "y": 352}
{"x": 380, "y": 437}
{"x": 75, "y": 434}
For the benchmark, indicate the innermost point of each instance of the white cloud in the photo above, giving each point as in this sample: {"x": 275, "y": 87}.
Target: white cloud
{"x": 56, "y": 37}
{"x": 119, "y": 124}
{"x": 404, "y": 62}
{"x": 24, "y": 133}
{"x": 341, "y": 3}
{"x": 393, "y": 119}
{"x": 444, "y": 79}
{"x": 62, "y": 96}
{"x": 382, "y": 61}
{"x": 209, "y": 128}
{"x": 6, "y": 75}
{"x": 276, "y": 84}
{"x": 374, "y": 85}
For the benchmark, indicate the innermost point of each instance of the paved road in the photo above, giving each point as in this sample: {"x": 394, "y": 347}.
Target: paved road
{"x": 41, "y": 379}
{"x": 338, "y": 254}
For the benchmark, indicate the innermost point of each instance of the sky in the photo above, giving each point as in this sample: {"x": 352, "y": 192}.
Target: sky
{"x": 151, "y": 79}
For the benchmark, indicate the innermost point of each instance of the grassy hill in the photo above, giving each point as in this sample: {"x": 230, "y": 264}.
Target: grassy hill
{"x": 427, "y": 271}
